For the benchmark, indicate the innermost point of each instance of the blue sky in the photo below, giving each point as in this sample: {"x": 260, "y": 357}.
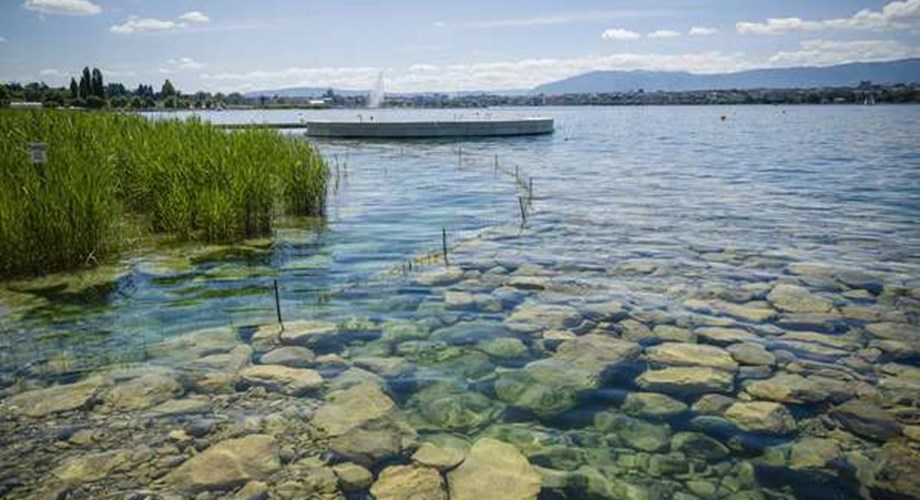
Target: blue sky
{"x": 436, "y": 45}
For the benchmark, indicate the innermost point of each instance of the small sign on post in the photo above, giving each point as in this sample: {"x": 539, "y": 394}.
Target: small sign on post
{"x": 38, "y": 152}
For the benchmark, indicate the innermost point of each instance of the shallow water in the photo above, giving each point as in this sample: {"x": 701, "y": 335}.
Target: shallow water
{"x": 645, "y": 226}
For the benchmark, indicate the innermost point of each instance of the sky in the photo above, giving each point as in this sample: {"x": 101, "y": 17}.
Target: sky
{"x": 435, "y": 45}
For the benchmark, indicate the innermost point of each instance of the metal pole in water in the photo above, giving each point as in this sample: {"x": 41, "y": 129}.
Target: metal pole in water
{"x": 278, "y": 306}
{"x": 444, "y": 245}
{"x": 523, "y": 212}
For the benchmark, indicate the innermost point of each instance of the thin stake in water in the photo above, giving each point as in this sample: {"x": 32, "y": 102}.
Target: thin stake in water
{"x": 523, "y": 212}
{"x": 444, "y": 245}
{"x": 278, "y": 306}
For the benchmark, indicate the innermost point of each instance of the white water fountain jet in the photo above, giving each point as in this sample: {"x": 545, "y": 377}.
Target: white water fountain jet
{"x": 375, "y": 99}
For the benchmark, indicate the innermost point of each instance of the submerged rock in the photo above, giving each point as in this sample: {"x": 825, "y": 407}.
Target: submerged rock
{"x": 530, "y": 318}
{"x": 91, "y": 468}
{"x": 443, "y": 459}
{"x": 374, "y": 441}
{"x": 60, "y": 398}
{"x": 678, "y": 354}
{"x": 721, "y": 336}
{"x": 896, "y": 471}
{"x": 787, "y": 388}
{"x": 761, "y": 417}
{"x": 293, "y": 356}
{"x": 409, "y": 482}
{"x": 684, "y": 381}
{"x": 283, "y": 379}
{"x": 813, "y": 453}
{"x": 226, "y": 465}
{"x": 796, "y": 299}
{"x": 440, "y": 277}
{"x": 504, "y": 348}
{"x": 352, "y": 407}
{"x": 455, "y": 407}
{"x": 652, "y": 405}
{"x": 751, "y": 354}
{"x": 696, "y": 445}
{"x": 867, "y": 420}
{"x": 494, "y": 468}
{"x": 309, "y": 333}
{"x": 636, "y": 433}
{"x": 142, "y": 392}
{"x": 196, "y": 344}
{"x": 352, "y": 477}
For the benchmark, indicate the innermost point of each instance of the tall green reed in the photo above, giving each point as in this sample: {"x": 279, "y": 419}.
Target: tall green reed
{"x": 188, "y": 179}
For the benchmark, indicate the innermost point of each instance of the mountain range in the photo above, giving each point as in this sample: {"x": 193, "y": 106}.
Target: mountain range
{"x": 842, "y": 75}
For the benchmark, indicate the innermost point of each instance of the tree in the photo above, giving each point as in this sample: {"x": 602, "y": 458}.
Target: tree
{"x": 96, "y": 84}
{"x": 4, "y": 96}
{"x": 74, "y": 90}
{"x": 85, "y": 84}
{"x": 168, "y": 90}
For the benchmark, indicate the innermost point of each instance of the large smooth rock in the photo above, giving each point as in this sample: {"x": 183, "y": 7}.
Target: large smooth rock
{"x": 494, "y": 468}
{"x": 375, "y": 441}
{"x": 787, "y": 388}
{"x": 722, "y": 336}
{"x": 227, "y": 465}
{"x": 455, "y": 407}
{"x": 751, "y": 354}
{"x": 91, "y": 468}
{"x": 440, "y": 277}
{"x": 652, "y": 405}
{"x": 696, "y": 445}
{"x": 813, "y": 453}
{"x": 690, "y": 380}
{"x": 409, "y": 482}
{"x": 309, "y": 333}
{"x": 896, "y": 471}
{"x": 549, "y": 386}
{"x": 678, "y": 354}
{"x": 761, "y": 417}
{"x": 352, "y": 407}
{"x": 750, "y": 313}
{"x": 293, "y": 355}
{"x": 142, "y": 392}
{"x": 867, "y": 420}
{"x": 529, "y": 318}
{"x": 353, "y": 477}
{"x": 283, "y": 379}
{"x": 797, "y": 299}
{"x": 895, "y": 331}
{"x": 196, "y": 344}
{"x": 636, "y": 433}
{"x": 219, "y": 372}
{"x": 60, "y": 398}
{"x": 440, "y": 458}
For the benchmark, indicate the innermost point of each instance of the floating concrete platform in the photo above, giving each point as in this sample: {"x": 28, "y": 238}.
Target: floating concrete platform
{"x": 415, "y": 129}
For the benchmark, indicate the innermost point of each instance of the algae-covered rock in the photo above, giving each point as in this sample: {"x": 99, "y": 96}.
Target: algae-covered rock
{"x": 142, "y": 392}
{"x": 867, "y": 420}
{"x": 696, "y": 445}
{"x": 796, "y": 299}
{"x": 652, "y": 405}
{"x": 353, "y": 477}
{"x": 292, "y": 356}
{"x": 283, "y": 379}
{"x": 530, "y": 318}
{"x": 679, "y": 354}
{"x": 91, "y": 468}
{"x": 453, "y": 406}
{"x": 441, "y": 458}
{"x": 636, "y": 433}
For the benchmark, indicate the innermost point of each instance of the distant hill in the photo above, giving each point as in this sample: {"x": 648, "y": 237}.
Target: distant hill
{"x": 893, "y": 72}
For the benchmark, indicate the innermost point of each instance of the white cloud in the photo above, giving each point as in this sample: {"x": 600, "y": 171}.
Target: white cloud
{"x": 561, "y": 18}
{"x": 829, "y": 52}
{"x": 619, "y": 34}
{"x": 702, "y": 31}
{"x": 50, "y": 72}
{"x": 2, "y": 40}
{"x": 492, "y": 75}
{"x": 194, "y": 17}
{"x": 66, "y": 7}
{"x": 896, "y": 15}
{"x": 439, "y": 24}
{"x": 136, "y": 24}
{"x": 663, "y": 34}
{"x": 185, "y": 63}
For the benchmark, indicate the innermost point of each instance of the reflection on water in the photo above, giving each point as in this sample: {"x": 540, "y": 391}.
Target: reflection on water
{"x": 694, "y": 308}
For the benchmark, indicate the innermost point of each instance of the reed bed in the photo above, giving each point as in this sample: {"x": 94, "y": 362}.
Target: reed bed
{"x": 188, "y": 179}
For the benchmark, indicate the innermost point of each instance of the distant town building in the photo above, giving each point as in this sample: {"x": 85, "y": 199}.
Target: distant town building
{"x": 25, "y": 105}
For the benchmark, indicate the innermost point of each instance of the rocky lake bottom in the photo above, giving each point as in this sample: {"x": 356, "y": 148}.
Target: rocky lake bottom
{"x": 638, "y": 337}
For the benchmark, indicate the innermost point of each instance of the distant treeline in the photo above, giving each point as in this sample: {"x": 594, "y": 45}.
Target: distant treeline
{"x": 91, "y": 91}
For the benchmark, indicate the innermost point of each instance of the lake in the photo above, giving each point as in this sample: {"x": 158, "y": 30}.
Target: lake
{"x": 653, "y": 302}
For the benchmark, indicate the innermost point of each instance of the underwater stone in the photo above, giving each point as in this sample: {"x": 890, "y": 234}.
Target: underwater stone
{"x": 142, "y": 392}
{"x": 350, "y": 408}
{"x": 440, "y": 458}
{"x": 797, "y": 299}
{"x": 678, "y": 354}
{"x": 696, "y": 445}
{"x": 91, "y": 468}
{"x": 283, "y": 379}
{"x": 761, "y": 417}
{"x": 493, "y": 466}
{"x": 724, "y": 336}
{"x": 503, "y": 348}
{"x": 440, "y": 277}
{"x": 293, "y": 356}
{"x": 751, "y": 354}
{"x": 60, "y": 398}
{"x": 636, "y": 433}
{"x": 683, "y": 381}
{"x": 813, "y": 453}
{"x": 227, "y": 464}
{"x": 866, "y": 420}
{"x": 409, "y": 482}
{"x": 352, "y": 477}
{"x": 712, "y": 404}
{"x": 652, "y": 405}
{"x": 531, "y": 318}
{"x": 308, "y": 333}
